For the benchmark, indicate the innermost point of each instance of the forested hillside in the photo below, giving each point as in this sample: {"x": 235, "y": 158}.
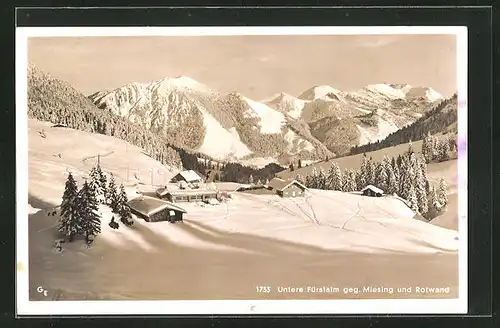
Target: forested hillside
{"x": 53, "y": 100}
{"x": 441, "y": 119}
{"x": 56, "y": 101}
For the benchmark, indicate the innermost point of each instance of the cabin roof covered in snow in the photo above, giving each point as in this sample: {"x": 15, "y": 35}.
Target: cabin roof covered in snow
{"x": 149, "y": 206}
{"x": 373, "y": 188}
{"x": 280, "y": 184}
{"x": 190, "y": 175}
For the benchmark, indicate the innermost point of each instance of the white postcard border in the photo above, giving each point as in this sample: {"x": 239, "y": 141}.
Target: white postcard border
{"x": 230, "y": 307}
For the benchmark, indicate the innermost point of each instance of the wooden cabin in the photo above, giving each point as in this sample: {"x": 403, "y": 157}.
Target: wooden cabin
{"x": 372, "y": 191}
{"x": 189, "y": 176}
{"x": 155, "y": 210}
{"x": 287, "y": 188}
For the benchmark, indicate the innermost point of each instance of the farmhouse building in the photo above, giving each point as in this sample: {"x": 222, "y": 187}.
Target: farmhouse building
{"x": 155, "y": 210}
{"x": 372, "y": 191}
{"x": 174, "y": 194}
{"x": 188, "y": 176}
{"x": 287, "y": 188}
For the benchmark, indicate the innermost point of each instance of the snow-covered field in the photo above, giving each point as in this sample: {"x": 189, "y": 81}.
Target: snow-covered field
{"x": 224, "y": 251}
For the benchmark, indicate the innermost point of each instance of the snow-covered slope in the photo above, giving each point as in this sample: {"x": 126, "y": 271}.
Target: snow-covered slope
{"x": 286, "y": 241}
{"x": 63, "y": 150}
{"x": 270, "y": 120}
{"x": 286, "y": 104}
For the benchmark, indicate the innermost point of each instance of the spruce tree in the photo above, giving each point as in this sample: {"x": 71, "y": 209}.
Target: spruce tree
{"x": 364, "y": 174}
{"x": 69, "y": 221}
{"x": 420, "y": 191}
{"x": 349, "y": 181}
{"x": 88, "y": 206}
{"x": 381, "y": 176}
{"x": 123, "y": 208}
{"x": 321, "y": 178}
{"x": 250, "y": 179}
{"x": 314, "y": 178}
{"x": 112, "y": 194}
{"x": 392, "y": 184}
{"x": 102, "y": 184}
{"x": 330, "y": 178}
{"x": 442, "y": 192}
{"x": 412, "y": 199}
{"x": 338, "y": 178}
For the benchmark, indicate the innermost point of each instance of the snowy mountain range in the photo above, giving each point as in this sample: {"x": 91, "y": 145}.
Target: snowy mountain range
{"x": 321, "y": 121}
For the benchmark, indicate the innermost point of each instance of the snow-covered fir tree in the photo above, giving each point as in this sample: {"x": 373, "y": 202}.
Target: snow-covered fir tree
{"x": 412, "y": 199}
{"x": 321, "y": 178}
{"x": 371, "y": 174}
{"x": 112, "y": 194}
{"x": 103, "y": 184}
{"x": 88, "y": 207}
{"x": 95, "y": 183}
{"x": 442, "y": 192}
{"x": 123, "y": 208}
{"x": 427, "y": 147}
{"x": 381, "y": 177}
{"x": 364, "y": 174}
{"x": 444, "y": 150}
{"x": 392, "y": 184}
{"x": 309, "y": 181}
{"x": 407, "y": 183}
{"x": 349, "y": 181}
{"x": 69, "y": 225}
{"x": 420, "y": 191}
{"x": 250, "y": 179}
{"x": 334, "y": 178}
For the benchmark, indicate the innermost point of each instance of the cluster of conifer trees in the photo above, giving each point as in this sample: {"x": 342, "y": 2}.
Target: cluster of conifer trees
{"x": 439, "y": 148}
{"x": 405, "y": 176}
{"x": 79, "y": 214}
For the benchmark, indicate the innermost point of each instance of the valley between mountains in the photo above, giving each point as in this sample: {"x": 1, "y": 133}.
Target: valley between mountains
{"x": 145, "y": 133}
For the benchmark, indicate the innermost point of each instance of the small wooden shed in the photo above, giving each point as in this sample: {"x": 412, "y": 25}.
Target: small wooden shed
{"x": 154, "y": 210}
{"x": 372, "y": 191}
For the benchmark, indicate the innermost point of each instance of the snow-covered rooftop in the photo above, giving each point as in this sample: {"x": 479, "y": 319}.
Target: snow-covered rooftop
{"x": 190, "y": 176}
{"x": 149, "y": 205}
{"x": 280, "y": 184}
{"x": 373, "y": 188}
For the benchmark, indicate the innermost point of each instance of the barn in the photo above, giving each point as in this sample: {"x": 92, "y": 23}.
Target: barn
{"x": 372, "y": 191}
{"x": 188, "y": 176}
{"x": 154, "y": 210}
{"x": 287, "y": 188}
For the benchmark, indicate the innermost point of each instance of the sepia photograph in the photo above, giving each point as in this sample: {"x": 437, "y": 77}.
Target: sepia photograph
{"x": 242, "y": 166}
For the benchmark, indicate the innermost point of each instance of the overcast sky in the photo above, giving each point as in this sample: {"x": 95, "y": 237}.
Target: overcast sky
{"x": 256, "y": 66}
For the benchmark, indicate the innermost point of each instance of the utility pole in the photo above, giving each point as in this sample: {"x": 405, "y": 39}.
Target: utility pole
{"x": 98, "y": 159}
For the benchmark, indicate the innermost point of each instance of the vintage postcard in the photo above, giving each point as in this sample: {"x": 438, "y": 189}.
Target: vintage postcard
{"x": 241, "y": 170}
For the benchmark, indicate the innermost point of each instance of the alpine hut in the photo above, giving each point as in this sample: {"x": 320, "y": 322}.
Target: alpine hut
{"x": 189, "y": 176}
{"x": 287, "y": 188}
{"x": 154, "y": 210}
{"x": 372, "y": 191}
